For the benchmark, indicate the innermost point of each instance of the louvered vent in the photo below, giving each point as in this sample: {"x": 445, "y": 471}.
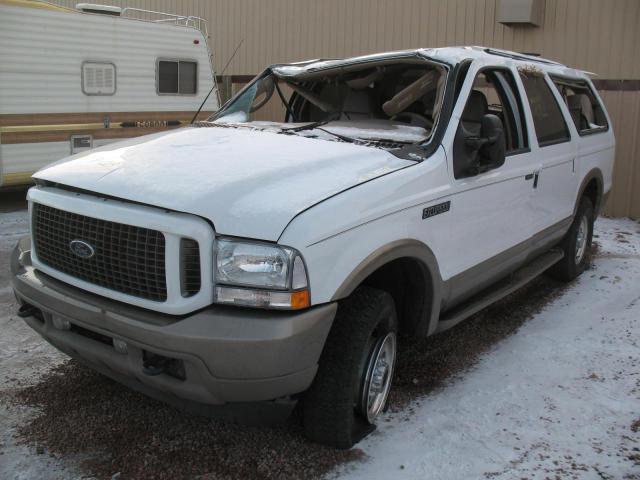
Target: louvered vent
{"x": 98, "y": 78}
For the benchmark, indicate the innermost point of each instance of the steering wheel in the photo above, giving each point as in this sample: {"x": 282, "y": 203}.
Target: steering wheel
{"x": 265, "y": 90}
{"x": 413, "y": 119}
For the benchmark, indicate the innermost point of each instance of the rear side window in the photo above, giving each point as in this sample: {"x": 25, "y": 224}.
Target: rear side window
{"x": 547, "y": 117}
{"x": 585, "y": 109}
{"x": 177, "y": 77}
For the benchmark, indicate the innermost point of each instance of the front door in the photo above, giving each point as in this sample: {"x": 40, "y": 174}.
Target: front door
{"x": 490, "y": 208}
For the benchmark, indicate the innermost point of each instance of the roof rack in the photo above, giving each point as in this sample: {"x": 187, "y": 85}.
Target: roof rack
{"x": 170, "y": 18}
{"x": 520, "y": 56}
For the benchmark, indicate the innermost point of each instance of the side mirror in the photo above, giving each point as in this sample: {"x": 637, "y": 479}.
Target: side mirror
{"x": 492, "y": 152}
{"x": 475, "y": 153}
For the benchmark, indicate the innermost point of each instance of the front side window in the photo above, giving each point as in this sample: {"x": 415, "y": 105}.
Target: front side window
{"x": 177, "y": 77}
{"x": 548, "y": 120}
{"x": 585, "y": 109}
{"x": 492, "y": 124}
{"x": 503, "y": 100}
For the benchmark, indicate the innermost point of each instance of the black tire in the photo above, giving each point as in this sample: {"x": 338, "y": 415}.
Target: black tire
{"x": 332, "y": 414}
{"x": 570, "y": 266}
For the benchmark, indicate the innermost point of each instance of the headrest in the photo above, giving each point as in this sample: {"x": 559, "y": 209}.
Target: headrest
{"x": 477, "y": 106}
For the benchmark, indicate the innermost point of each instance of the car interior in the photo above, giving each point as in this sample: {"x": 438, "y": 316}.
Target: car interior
{"x": 585, "y": 110}
{"x": 387, "y": 96}
{"x": 493, "y": 103}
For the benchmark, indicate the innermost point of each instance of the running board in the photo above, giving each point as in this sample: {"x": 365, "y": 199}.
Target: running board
{"x": 500, "y": 290}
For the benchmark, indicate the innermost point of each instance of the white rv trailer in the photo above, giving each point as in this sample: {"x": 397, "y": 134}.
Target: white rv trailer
{"x": 73, "y": 79}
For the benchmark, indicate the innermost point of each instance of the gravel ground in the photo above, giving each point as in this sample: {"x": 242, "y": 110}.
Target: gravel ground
{"x": 71, "y": 421}
{"x": 143, "y": 438}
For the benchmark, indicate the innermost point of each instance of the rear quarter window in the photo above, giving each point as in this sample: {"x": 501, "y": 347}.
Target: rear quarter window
{"x": 584, "y": 107}
{"x": 548, "y": 121}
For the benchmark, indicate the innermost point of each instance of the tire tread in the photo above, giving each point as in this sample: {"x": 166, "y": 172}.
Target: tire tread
{"x": 328, "y": 406}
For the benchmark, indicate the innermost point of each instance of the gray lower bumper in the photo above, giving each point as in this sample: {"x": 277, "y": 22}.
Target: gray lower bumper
{"x": 228, "y": 354}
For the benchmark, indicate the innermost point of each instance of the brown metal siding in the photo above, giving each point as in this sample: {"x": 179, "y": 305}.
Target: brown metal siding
{"x": 595, "y": 35}
{"x": 624, "y": 109}
{"x": 600, "y": 36}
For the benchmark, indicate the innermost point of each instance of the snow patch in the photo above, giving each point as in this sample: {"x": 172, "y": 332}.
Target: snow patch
{"x": 557, "y": 398}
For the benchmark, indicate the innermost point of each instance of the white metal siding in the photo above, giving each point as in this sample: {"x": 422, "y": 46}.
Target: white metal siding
{"x": 41, "y": 53}
{"x": 29, "y": 157}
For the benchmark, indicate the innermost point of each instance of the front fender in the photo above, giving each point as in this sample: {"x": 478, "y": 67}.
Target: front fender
{"x": 406, "y": 248}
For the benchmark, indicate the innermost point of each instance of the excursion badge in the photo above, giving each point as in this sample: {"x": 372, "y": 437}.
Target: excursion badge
{"x": 436, "y": 209}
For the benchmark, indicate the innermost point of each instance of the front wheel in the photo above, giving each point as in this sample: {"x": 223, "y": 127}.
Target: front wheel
{"x": 576, "y": 244}
{"x": 354, "y": 377}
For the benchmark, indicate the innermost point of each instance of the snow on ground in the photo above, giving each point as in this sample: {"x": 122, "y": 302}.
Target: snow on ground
{"x": 557, "y": 398}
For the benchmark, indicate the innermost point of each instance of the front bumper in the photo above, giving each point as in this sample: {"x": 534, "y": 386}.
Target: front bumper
{"x": 228, "y": 354}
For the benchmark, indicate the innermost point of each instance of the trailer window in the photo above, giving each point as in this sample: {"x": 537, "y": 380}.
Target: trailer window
{"x": 585, "y": 109}
{"x": 177, "y": 77}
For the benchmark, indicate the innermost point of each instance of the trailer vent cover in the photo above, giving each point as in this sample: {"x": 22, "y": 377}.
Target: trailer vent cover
{"x": 98, "y": 78}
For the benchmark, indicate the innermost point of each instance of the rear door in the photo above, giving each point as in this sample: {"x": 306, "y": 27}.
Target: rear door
{"x": 491, "y": 210}
{"x": 555, "y": 183}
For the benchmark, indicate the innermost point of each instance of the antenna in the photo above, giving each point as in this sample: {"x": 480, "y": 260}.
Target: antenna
{"x": 214, "y": 83}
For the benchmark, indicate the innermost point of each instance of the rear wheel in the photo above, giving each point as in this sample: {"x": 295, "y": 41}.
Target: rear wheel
{"x": 576, "y": 244}
{"x": 354, "y": 377}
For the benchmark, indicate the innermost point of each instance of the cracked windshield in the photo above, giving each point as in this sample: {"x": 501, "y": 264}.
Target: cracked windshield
{"x": 381, "y": 104}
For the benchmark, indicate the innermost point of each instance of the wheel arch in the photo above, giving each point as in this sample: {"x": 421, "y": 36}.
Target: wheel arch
{"x": 592, "y": 185}
{"x": 387, "y": 267}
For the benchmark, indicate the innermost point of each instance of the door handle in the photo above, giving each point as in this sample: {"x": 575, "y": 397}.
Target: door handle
{"x": 533, "y": 176}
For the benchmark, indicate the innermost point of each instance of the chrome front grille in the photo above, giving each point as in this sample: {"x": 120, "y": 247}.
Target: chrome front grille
{"x": 189, "y": 267}
{"x": 124, "y": 258}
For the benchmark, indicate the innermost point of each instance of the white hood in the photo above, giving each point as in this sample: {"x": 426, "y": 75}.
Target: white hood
{"x": 249, "y": 183}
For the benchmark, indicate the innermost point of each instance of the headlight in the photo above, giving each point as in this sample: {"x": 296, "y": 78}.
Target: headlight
{"x": 260, "y": 275}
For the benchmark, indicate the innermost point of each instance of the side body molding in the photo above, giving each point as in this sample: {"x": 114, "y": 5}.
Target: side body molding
{"x": 406, "y": 248}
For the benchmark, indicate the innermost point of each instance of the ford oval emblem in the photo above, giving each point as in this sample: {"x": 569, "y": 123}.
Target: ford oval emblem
{"x": 81, "y": 249}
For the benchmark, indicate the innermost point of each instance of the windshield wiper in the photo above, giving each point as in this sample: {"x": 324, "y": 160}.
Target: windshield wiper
{"x": 308, "y": 126}
{"x": 343, "y": 137}
{"x": 317, "y": 125}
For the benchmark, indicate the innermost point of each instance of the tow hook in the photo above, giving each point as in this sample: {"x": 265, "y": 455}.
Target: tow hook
{"x": 27, "y": 310}
{"x": 155, "y": 365}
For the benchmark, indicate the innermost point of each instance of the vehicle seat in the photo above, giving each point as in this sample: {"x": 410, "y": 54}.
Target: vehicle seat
{"x": 574, "y": 102}
{"x": 356, "y": 106}
{"x": 476, "y": 108}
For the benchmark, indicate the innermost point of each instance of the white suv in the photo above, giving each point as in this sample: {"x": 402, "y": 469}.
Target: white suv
{"x": 242, "y": 265}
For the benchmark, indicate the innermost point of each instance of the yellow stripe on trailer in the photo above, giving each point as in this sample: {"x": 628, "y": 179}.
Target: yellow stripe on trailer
{"x": 83, "y": 126}
{"x": 48, "y": 128}
{"x": 20, "y": 178}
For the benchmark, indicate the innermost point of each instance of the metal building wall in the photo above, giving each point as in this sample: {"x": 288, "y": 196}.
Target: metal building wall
{"x": 601, "y": 36}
